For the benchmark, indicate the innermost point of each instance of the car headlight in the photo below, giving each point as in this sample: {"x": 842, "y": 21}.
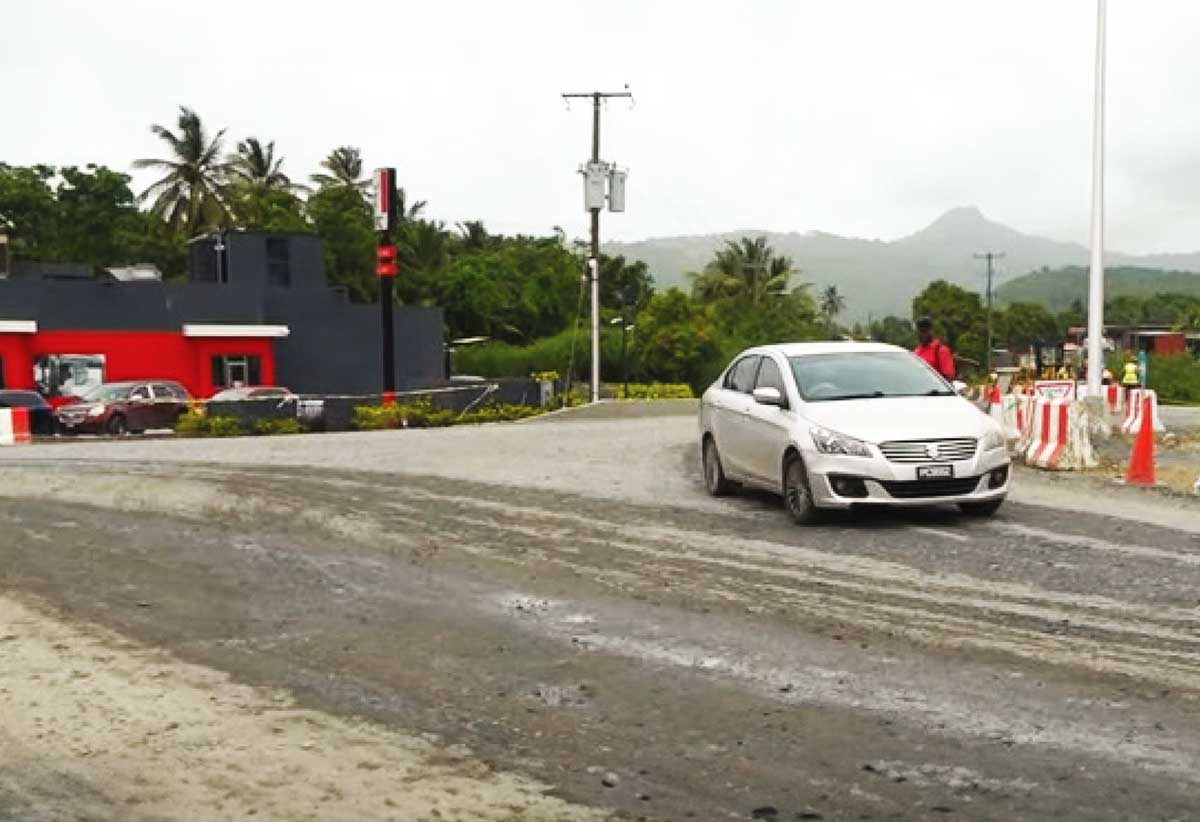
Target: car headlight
{"x": 994, "y": 440}
{"x": 831, "y": 442}
{"x": 96, "y": 411}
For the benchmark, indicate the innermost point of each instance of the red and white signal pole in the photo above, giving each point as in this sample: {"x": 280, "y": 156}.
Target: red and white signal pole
{"x": 386, "y": 269}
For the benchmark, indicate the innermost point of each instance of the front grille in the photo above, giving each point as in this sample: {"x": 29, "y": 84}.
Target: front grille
{"x": 950, "y": 450}
{"x": 931, "y": 488}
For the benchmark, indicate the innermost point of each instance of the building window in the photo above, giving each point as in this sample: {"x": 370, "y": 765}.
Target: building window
{"x": 234, "y": 370}
{"x": 279, "y": 261}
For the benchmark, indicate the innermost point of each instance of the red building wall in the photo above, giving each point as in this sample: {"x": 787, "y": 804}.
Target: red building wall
{"x": 135, "y": 355}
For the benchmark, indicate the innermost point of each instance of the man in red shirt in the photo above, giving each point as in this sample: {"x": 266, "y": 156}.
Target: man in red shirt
{"x": 934, "y": 351}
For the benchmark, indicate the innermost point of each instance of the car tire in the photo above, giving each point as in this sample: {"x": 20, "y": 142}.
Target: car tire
{"x": 117, "y": 426}
{"x": 981, "y": 509}
{"x": 715, "y": 481}
{"x": 797, "y": 492}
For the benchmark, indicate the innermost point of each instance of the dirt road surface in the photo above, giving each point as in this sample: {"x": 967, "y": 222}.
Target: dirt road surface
{"x": 551, "y": 621}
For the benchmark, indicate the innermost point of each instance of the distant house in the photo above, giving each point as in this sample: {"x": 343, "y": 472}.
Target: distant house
{"x": 254, "y": 308}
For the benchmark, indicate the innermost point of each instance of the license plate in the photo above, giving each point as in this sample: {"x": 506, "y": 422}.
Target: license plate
{"x": 935, "y": 472}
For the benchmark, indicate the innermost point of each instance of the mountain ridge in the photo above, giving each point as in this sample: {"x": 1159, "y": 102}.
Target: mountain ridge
{"x": 879, "y": 277}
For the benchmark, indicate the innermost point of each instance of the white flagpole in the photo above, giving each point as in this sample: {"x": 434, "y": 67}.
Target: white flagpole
{"x": 1095, "y": 361}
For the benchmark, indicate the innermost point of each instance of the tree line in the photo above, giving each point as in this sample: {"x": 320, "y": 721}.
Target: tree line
{"x": 511, "y": 288}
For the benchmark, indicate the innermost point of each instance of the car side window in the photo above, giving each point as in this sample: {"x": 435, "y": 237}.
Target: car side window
{"x": 165, "y": 392}
{"x": 769, "y": 376}
{"x": 142, "y": 392}
{"x": 741, "y": 376}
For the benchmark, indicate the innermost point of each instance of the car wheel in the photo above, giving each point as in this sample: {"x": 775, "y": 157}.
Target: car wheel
{"x": 117, "y": 426}
{"x": 981, "y": 509}
{"x": 714, "y": 474}
{"x": 797, "y": 495}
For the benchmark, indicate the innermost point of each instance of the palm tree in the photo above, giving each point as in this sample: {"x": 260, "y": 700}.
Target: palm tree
{"x": 473, "y": 235}
{"x": 747, "y": 269}
{"x": 832, "y": 304}
{"x": 188, "y": 197}
{"x": 256, "y": 166}
{"x": 345, "y": 167}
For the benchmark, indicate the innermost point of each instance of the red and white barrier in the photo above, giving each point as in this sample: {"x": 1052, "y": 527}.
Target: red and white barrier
{"x": 1114, "y": 398}
{"x": 1131, "y": 421}
{"x": 1055, "y": 389}
{"x": 1058, "y": 436}
{"x": 14, "y": 426}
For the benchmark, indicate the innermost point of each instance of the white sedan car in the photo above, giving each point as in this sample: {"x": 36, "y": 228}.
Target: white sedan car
{"x": 835, "y": 425}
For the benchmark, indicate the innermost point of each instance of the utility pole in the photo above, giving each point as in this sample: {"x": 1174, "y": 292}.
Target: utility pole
{"x": 990, "y": 256}
{"x": 1095, "y": 346}
{"x": 594, "y": 172}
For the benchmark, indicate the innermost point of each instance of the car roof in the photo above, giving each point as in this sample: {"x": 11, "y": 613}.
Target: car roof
{"x": 835, "y": 347}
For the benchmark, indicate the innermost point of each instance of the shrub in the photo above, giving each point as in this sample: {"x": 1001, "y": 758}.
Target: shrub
{"x": 422, "y": 413}
{"x": 191, "y": 424}
{"x": 281, "y": 426}
{"x": 656, "y": 391}
{"x": 374, "y": 417}
{"x": 1176, "y": 378}
{"x": 224, "y": 427}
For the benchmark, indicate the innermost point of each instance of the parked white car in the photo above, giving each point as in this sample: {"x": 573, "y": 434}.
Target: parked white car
{"x": 835, "y": 425}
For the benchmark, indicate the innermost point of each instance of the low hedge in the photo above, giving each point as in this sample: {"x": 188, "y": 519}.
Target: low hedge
{"x": 424, "y": 414}
{"x": 203, "y": 425}
{"x": 656, "y": 391}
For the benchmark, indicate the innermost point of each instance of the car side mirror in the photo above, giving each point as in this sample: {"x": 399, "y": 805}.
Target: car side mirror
{"x": 960, "y": 388}
{"x": 768, "y": 396}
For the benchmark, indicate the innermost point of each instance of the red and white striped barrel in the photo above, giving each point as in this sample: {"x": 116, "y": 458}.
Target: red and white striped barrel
{"x": 1058, "y": 436}
{"x": 1135, "y": 408}
{"x": 14, "y": 426}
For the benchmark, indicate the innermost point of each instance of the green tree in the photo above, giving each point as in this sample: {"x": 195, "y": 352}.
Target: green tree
{"x": 959, "y": 318}
{"x": 256, "y": 208}
{"x": 1124, "y": 309}
{"x": 894, "y": 331}
{"x": 675, "y": 340}
{"x": 748, "y": 269}
{"x": 342, "y": 219}
{"x": 345, "y": 170}
{"x": 624, "y": 285}
{"x": 98, "y": 218}
{"x": 256, "y": 166}
{"x": 188, "y": 197}
{"x": 1021, "y": 324}
{"x": 832, "y": 304}
{"x": 28, "y": 211}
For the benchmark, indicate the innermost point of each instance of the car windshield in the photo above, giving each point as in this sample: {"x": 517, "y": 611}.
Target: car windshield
{"x": 106, "y": 393}
{"x": 865, "y": 375}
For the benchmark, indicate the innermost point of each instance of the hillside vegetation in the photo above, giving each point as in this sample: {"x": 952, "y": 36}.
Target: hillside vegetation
{"x": 1058, "y": 289}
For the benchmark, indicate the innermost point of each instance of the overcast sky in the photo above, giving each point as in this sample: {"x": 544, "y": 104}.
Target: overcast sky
{"x": 859, "y": 117}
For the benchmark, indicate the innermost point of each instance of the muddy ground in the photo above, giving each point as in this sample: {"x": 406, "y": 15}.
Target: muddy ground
{"x": 551, "y": 621}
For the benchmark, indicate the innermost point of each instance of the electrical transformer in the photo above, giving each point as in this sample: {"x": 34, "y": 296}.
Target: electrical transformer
{"x": 616, "y": 188}
{"x": 595, "y": 177}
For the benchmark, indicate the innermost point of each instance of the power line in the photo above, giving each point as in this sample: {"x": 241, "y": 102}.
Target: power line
{"x": 594, "y": 262}
{"x": 990, "y": 256}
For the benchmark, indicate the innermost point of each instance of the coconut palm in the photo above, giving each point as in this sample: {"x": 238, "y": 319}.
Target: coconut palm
{"x": 345, "y": 167}
{"x": 256, "y": 166}
{"x": 832, "y": 304}
{"x": 188, "y": 197}
{"x": 747, "y": 269}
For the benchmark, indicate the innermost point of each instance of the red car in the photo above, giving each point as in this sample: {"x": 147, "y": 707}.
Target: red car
{"x": 125, "y": 407}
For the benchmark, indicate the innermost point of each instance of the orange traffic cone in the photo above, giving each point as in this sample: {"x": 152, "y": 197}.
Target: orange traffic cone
{"x": 1141, "y": 461}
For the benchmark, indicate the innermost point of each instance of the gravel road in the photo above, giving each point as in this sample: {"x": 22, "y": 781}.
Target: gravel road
{"x": 552, "y": 621}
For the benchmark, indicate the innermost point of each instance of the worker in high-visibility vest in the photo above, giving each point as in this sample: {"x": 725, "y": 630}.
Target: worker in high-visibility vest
{"x": 1130, "y": 378}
